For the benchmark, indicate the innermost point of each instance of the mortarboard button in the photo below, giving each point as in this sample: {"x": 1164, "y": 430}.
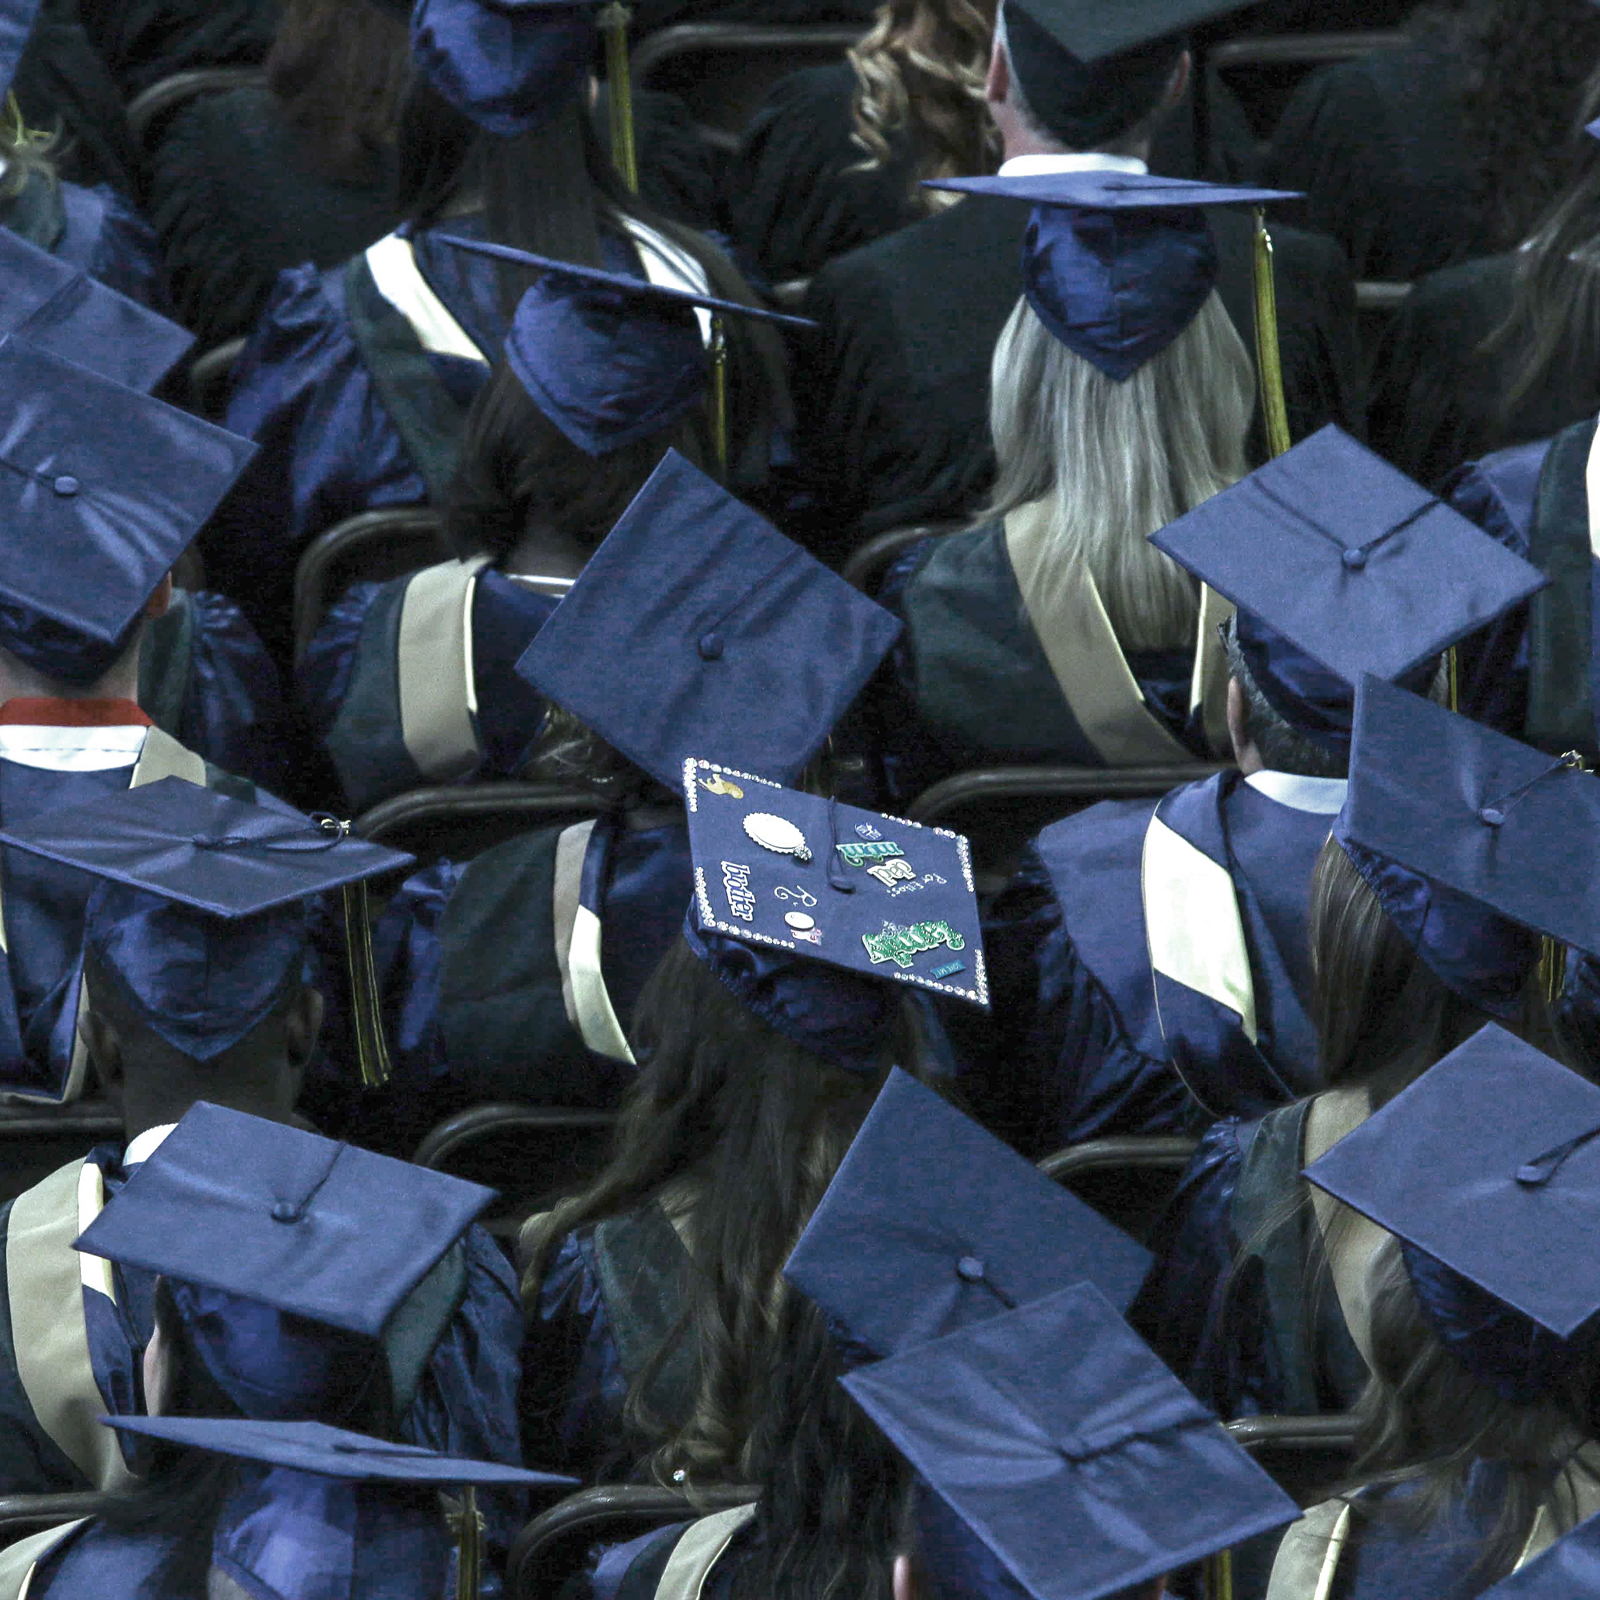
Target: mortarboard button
{"x": 66, "y": 484}
{"x": 970, "y": 1268}
{"x": 285, "y": 1211}
{"x": 1355, "y": 560}
{"x": 710, "y": 646}
{"x": 1492, "y": 815}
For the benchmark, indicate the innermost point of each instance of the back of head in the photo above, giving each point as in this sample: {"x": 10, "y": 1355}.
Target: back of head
{"x": 1112, "y": 461}
{"x": 1281, "y": 746}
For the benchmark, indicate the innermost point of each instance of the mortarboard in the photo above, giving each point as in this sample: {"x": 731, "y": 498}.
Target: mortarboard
{"x": 697, "y": 626}
{"x": 270, "y": 1213}
{"x": 200, "y": 919}
{"x": 1064, "y": 1446}
{"x": 107, "y": 488}
{"x": 1116, "y": 264}
{"x": 17, "y": 18}
{"x": 1340, "y": 565}
{"x": 1472, "y": 842}
{"x": 58, "y": 307}
{"x": 1487, "y": 1170}
{"x": 607, "y": 357}
{"x": 932, "y": 1223}
{"x": 1568, "y": 1568}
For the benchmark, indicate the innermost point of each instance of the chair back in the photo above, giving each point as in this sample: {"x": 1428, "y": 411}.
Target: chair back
{"x": 36, "y": 1138}
{"x": 868, "y": 563}
{"x": 463, "y": 820}
{"x": 1129, "y": 1180}
{"x": 1308, "y": 1457}
{"x": 1264, "y": 72}
{"x": 22, "y": 1514}
{"x": 211, "y": 379}
{"x": 149, "y": 110}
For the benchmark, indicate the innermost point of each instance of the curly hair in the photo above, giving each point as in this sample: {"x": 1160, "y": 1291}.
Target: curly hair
{"x": 23, "y": 150}
{"x": 919, "y": 77}
{"x": 1521, "y": 67}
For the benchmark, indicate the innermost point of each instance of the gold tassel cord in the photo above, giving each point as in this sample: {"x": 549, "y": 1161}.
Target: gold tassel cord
{"x": 1269, "y": 364}
{"x": 372, "y": 1049}
{"x": 1552, "y": 967}
{"x": 465, "y": 1522}
{"x": 719, "y": 394}
{"x": 613, "y": 21}
{"x": 1221, "y": 1584}
{"x": 1452, "y": 659}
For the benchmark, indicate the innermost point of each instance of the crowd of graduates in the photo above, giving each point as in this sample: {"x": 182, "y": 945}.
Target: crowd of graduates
{"x": 1000, "y": 398}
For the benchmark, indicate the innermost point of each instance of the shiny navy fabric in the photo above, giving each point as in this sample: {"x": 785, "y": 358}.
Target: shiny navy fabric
{"x": 103, "y": 233}
{"x": 506, "y": 617}
{"x": 1571, "y": 1566}
{"x": 16, "y": 26}
{"x": 510, "y": 65}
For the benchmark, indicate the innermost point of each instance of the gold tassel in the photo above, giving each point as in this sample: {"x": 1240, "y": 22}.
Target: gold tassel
{"x": 1453, "y": 667}
{"x": 719, "y": 394}
{"x": 465, "y": 1522}
{"x": 1222, "y": 1575}
{"x": 372, "y": 1049}
{"x": 1552, "y": 967}
{"x": 613, "y": 21}
{"x": 1269, "y": 364}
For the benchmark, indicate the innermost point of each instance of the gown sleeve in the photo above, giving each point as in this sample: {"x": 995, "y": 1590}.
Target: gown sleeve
{"x": 325, "y": 670}
{"x": 125, "y": 256}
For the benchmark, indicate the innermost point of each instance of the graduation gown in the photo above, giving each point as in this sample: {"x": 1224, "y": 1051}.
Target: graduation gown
{"x": 1108, "y": 1015}
{"x": 980, "y": 680}
{"x": 73, "y": 1330}
{"x": 235, "y": 200}
{"x": 144, "y": 41}
{"x": 892, "y": 392}
{"x": 513, "y": 977}
{"x": 413, "y": 681}
{"x": 681, "y": 1562}
{"x": 610, "y": 1296}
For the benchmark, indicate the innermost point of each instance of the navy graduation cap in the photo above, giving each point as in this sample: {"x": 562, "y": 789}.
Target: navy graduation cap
{"x": 609, "y": 358}
{"x": 16, "y": 28}
{"x": 59, "y": 308}
{"x": 1567, "y": 1569}
{"x": 1341, "y": 566}
{"x": 1487, "y": 1168}
{"x": 1062, "y": 1448}
{"x": 270, "y": 1214}
{"x": 1473, "y": 843}
{"x": 931, "y": 1223}
{"x": 1116, "y": 264}
{"x": 200, "y": 920}
{"x": 698, "y": 628}
{"x": 106, "y": 488}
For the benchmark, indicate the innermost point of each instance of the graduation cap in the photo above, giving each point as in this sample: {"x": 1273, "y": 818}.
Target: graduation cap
{"x": 931, "y": 1223}
{"x": 1473, "y": 843}
{"x": 697, "y": 627}
{"x": 610, "y": 358}
{"x": 106, "y": 489}
{"x": 1116, "y": 264}
{"x": 1341, "y": 566}
{"x": 16, "y": 28}
{"x": 59, "y": 308}
{"x": 1059, "y": 1443}
{"x": 200, "y": 920}
{"x": 1569, "y": 1567}
{"x": 1488, "y": 1170}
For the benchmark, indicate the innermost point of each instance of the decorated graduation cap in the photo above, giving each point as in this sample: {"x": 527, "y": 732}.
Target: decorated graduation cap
{"x": 811, "y": 910}
{"x": 59, "y": 308}
{"x": 1116, "y": 264}
{"x": 510, "y": 65}
{"x": 106, "y": 488}
{"x": 1473, "y": 843}
{"x": 931, "y": 1224}
{"x": 200, "y": 920}
{"x": 1051, "y": 1441}
{"x": 698, "y": 628}
{"x": 1487, "y": 1169}
{"x": 1341, "y": 566}
{"x": 610, "y": 358}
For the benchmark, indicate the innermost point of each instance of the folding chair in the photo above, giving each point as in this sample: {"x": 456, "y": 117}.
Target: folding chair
{"x": 37, "y": 1138}
{"x": 1264, "y": 72}
{"x": 22, "y": 1514}
{"x": 555, "y": 1545}
{"x": 1128, "y": 1180}
{"x": 1308, "y": 1457}
{"x": 148, "y": 112}
{"x": 211, "y": 376}
{"x": 868, "y": 563}
{"x": 462, "y": 820}
{"x": 372, "y": 545}
{"x": 724, "y": 70}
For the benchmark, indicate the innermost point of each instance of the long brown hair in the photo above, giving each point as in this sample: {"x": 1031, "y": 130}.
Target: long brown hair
{"x": 920, "y": 74}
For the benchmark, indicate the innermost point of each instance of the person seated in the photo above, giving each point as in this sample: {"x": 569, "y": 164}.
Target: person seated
{"x": 1051, "y": 631}
{"x": 1477, "y": 1434}
{"x": 1257, "y": 1298}
{"x": 1446, "y": 149}
{"x": 514, "y": 976}
{"x": 1105, "y": 1021}
{"x": 1500, "y": 351}
{"x": 891, "y": 396}
{"x": 602, "y": 375}
{"x": 287, "y": 1280}
{"x": 357, "y": 381}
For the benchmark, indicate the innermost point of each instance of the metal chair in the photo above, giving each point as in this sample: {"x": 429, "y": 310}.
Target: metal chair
{"x": 1128, "y": 1180}
{"x": 372, "y": 545}
{"x": 556, "y": 1544}
{"x": 1264, "y": 72}
{"x": 1306, "y": 1456}
{"x": 462, "y": 820}
{"x": 869, "y": 562}
{"x": 148, "y": 112}
{"x": 211, "y": 376}
{"x": 22, "y": 1514}
{"x": 724, "y": 70}
{"x": 36, "y": 1138}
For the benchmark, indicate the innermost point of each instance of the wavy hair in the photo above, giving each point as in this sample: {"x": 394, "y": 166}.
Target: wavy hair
{"x": 919, "y": 79}
{"x": 25, "y": 151}
{"x": 1116, "y": 461}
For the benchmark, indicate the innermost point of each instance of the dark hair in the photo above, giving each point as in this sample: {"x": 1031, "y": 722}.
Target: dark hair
{"x": 1519, "y": 70}
{"x": 1424, "y": 1420}
{"x": 748, "y": 1128}
{"x": 1280, "y": 746}
{"x": 1551, "y": 334}
{"x": 338, "y": 70}
{"x": 519, "y": 472}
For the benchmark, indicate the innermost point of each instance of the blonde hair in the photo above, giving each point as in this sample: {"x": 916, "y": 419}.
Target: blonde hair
{"x": 1116, "y": 461}
{"x": 922, "y": 69}
{"x": 24, "y": 150}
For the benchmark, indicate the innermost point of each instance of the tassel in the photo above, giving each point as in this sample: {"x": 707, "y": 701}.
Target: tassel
{"x": 1552, "y": 967}
{"x": 1269, "y": 364}
{"x": 1453, "y": 668}
{"x": 1222, "y": 1575}
{"x": 372, "y": 1049}
{"x": 613, "y": 22}
{"x": 719, "y": 394}
{"x": 465, "y": 1522}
